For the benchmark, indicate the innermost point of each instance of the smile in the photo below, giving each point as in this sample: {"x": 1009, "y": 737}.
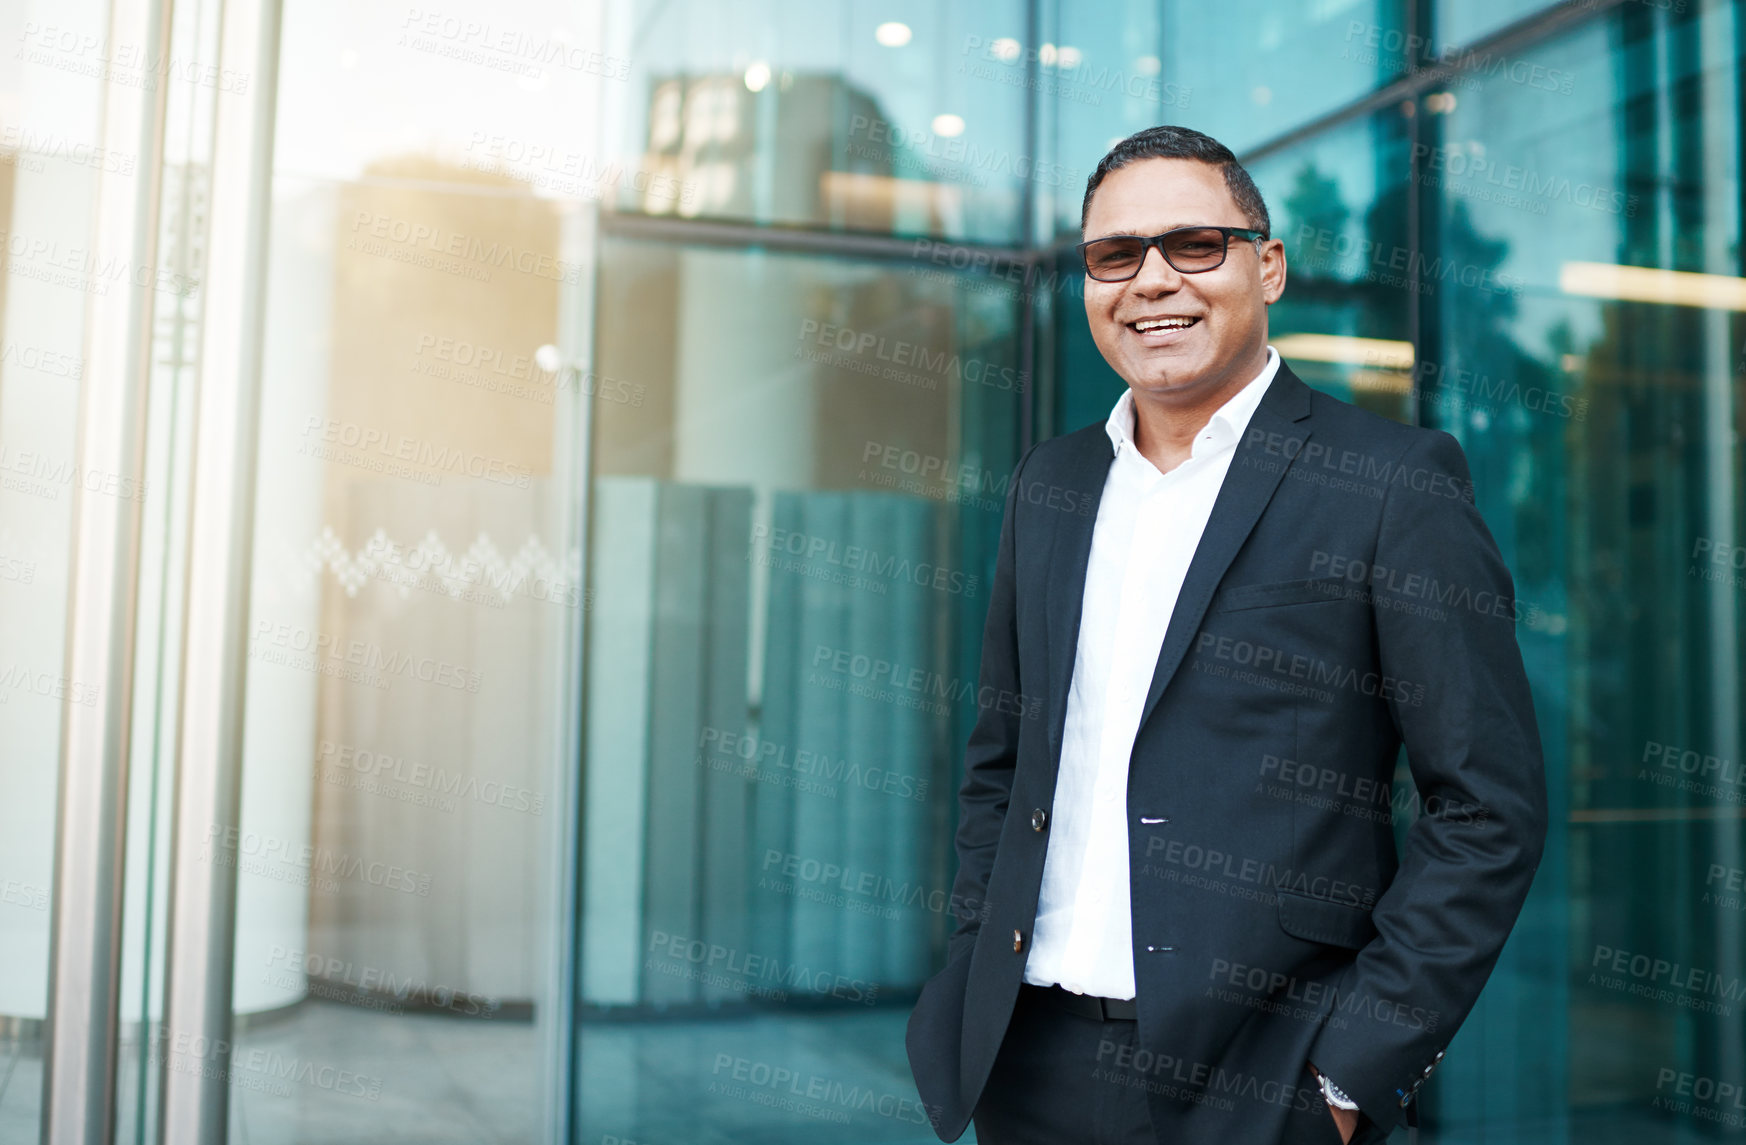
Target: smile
{"x": 1154, "y": 328}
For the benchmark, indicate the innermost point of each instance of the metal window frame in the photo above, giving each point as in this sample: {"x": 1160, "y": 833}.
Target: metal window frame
{"x": 195, "y": 1038}
{"x": 84, "y": 987}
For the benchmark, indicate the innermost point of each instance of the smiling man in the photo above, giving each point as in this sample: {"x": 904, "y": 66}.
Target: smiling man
{"x": 1186, "y": 920}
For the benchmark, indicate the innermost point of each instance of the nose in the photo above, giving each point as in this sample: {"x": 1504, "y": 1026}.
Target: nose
{"x": 1156, "y": 275}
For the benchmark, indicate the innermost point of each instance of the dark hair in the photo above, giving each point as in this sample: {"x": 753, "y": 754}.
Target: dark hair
{"x": 1167, "y": 142}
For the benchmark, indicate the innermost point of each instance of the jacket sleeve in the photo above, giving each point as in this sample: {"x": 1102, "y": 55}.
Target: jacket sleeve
{"x": 992, "y": 753}
{"x": 1473, "y": 747}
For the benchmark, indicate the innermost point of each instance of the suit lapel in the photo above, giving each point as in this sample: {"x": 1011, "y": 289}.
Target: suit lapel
{"x": 1254, "y": 474}
{"x": 1086, "y": 471}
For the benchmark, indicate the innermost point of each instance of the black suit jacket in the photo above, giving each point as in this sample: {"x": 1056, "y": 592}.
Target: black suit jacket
{"x": 1345, "y": 599}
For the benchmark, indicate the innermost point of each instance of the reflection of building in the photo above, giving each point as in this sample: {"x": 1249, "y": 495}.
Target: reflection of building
{"x": 716, "y": 149}
{"x": 406, "y": 534}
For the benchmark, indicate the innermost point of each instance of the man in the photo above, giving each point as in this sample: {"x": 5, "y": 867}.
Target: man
{"x": 1190, "y": 922}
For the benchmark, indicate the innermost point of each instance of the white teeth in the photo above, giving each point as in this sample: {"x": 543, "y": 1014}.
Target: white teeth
{"x": 1148, "y": 324}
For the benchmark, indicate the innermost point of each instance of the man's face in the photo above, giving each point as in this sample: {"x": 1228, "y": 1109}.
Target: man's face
{"x": 1226, "y": 337}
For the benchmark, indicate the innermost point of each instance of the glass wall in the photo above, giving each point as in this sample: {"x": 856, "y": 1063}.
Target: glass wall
{"x": 51, "y": 161}
{"x": 637, "y": 391}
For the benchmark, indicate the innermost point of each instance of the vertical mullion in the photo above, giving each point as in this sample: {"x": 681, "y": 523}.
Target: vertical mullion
{"x": 195, "y": 1039}
{"x": 79, "y": 1069}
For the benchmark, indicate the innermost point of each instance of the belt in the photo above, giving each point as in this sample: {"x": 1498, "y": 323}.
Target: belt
{"x": 1085, "y": 1005}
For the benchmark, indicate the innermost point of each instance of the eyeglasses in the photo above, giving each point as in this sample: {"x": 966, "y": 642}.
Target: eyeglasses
{"x": 1190, "y": 250}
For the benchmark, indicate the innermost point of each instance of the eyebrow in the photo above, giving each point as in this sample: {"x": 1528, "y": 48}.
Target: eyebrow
{"x": 1172, "y": 227}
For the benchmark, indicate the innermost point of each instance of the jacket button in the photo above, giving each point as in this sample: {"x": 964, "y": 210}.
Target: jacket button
{"x": 1039, "y": 819}
{"x": 1018, "y": 942}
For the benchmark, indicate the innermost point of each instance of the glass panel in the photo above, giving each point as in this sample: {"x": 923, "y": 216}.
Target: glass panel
{"x": 909, "y": 119}
{"x": 1464, "y": 21}
{"x": 794, "y": 523}
{"x": 1255, "y": 69}
{"x": 51, "y": 157}
{"x": 1339, "y": 202}
{"x": 416, "y": 598}
{"x": 1120, "y": 89}
{"x": 1600, "y": 413}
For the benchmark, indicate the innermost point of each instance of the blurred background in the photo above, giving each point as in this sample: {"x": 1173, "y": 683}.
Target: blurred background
{"x": 497, "y": 504}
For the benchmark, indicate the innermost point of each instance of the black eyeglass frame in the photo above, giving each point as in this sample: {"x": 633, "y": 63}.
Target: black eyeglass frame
{"x": 1158, "y": 241}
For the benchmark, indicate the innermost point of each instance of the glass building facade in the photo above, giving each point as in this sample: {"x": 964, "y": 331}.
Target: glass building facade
{"x": 497, "y": 504}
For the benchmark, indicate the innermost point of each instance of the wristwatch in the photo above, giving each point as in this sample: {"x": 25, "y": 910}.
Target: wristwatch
{"x": 1335, "y": 1095}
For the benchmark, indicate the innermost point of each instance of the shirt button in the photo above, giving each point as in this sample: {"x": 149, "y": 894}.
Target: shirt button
{"x": 1039, "y": 819}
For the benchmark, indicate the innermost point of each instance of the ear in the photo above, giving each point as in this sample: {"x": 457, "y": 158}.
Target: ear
{"x": 1272, "y": 270}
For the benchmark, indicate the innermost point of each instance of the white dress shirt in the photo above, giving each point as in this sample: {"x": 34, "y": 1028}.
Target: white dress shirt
{"x": 1148, "y": 527}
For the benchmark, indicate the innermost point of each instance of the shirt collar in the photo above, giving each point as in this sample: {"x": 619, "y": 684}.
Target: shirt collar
{"x": 1225, "y": 426}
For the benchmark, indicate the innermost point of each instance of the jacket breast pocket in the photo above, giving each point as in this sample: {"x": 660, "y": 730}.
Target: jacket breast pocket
{"x": 1279, "y": 592}
{"x": 1325, "y": 921}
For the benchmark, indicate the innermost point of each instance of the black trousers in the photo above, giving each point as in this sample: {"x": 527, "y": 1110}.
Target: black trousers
{"x": 1056, "y": 1081}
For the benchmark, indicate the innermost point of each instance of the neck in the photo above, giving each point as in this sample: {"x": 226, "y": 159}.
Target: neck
{"x": 1165, "y": 425}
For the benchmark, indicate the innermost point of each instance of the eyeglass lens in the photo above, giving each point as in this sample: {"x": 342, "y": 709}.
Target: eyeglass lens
{"x": 1189, "y": 250}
